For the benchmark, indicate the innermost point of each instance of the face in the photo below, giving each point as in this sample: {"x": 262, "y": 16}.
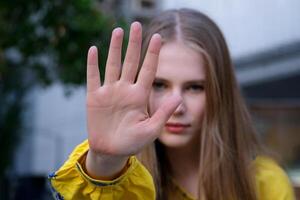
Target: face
{"x": 180, "y": 72}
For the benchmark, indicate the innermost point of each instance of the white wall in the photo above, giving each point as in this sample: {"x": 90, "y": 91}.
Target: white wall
{"x": 250, "y": 26}
{"x": 58, "y": 124}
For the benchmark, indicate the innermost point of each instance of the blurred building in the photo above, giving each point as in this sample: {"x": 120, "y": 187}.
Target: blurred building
{"x": 264, "y": 39}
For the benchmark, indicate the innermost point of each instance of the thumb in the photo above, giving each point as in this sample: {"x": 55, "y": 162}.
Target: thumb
{"x": 164, "y": 112}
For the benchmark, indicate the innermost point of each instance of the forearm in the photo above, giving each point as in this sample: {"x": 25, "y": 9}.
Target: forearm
{"x": 104, "y": 167}
{"x": 65, "y": 181}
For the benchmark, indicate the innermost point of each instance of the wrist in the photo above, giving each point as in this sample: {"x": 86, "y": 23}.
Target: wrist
{"x": 105, "y": 167}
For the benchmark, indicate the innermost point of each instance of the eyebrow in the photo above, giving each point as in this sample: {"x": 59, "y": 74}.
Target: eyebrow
{"x": 201, "y": 81}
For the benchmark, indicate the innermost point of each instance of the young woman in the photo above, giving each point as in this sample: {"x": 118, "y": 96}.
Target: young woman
{"x": 178, "y": 129}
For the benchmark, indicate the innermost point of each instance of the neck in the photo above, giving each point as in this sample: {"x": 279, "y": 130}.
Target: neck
{"x": 184, "y": 164}
{"x": 183, "y": 160}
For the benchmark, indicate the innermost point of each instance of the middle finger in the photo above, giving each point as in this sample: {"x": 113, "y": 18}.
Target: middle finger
{"x": 133, "y": 53}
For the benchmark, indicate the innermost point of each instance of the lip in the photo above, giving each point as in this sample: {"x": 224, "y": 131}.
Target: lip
{"x": 176, "y": 127}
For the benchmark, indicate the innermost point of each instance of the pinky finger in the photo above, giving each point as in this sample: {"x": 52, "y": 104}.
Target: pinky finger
{"x": 93, "y": 74}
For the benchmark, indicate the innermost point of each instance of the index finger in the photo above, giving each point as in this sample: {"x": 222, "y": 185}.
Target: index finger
{"x": 149, "y": 67}
{"x": 93, "y": 74}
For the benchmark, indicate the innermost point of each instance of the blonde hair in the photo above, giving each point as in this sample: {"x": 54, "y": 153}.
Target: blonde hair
{"x": 228, "y": 140}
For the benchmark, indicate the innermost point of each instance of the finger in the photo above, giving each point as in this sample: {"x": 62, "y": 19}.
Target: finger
{"x": 132, "y": 58}
{"x": 163, "y": 113}
{"x": 148, "y": 70}
{"x": 92, "y": 72}
{"x": 113, "y": 64}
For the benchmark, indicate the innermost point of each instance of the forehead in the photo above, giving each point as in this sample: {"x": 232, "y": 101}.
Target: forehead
{"x": 179, "y": 61}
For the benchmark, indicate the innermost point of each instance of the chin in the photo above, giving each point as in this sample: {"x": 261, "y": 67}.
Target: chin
{"x": 174, "y": 140}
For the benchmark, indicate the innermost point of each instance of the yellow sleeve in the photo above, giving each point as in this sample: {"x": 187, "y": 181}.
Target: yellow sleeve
{"x": 71, "y": 182}
{"x": 271, "y": 181}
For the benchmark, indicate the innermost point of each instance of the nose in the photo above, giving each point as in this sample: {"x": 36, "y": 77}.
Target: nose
{"x": 182, "y": 107}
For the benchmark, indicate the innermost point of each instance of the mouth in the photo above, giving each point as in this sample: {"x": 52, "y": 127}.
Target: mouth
{"x": 176, "y": 127}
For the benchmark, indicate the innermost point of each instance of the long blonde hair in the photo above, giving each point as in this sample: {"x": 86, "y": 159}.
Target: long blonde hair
{"x": 228, "y": 142}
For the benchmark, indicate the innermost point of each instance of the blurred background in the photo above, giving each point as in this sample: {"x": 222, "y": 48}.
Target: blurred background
{"x": 43, "y": 47}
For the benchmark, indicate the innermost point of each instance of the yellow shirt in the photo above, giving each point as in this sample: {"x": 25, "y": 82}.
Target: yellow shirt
{"x": 71, "y": 182}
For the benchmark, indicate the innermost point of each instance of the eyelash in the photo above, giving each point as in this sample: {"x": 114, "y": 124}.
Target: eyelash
{"x": 194, "y": 88}
{"x": 158, "y": 85}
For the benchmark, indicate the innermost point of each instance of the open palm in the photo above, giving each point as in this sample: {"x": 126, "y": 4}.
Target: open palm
{"x": 118, "y": 121}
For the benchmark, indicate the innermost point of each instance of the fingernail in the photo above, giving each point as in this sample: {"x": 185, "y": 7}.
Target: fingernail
{"x": 156, "y": 36}
{"x": 118, "y": 31}
{"x": 92, "y": 49}
{"x": 136, "y": 25}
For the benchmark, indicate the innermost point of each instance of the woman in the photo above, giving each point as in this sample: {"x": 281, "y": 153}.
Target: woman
{"x": 182, "y": 115}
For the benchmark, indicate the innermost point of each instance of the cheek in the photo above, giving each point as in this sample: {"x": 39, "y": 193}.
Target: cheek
{"x": 198, "y": 108}
{"x": 155, "y": 101}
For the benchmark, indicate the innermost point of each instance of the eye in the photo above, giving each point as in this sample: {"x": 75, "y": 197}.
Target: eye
{"x": 158, "y": 85}
{"x": 195, "y": 88}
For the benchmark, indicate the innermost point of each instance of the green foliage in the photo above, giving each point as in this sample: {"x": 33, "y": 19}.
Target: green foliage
{"x": 41, "y": 42}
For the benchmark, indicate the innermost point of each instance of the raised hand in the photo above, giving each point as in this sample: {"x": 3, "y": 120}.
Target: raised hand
{"x": 118, "y": 122}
